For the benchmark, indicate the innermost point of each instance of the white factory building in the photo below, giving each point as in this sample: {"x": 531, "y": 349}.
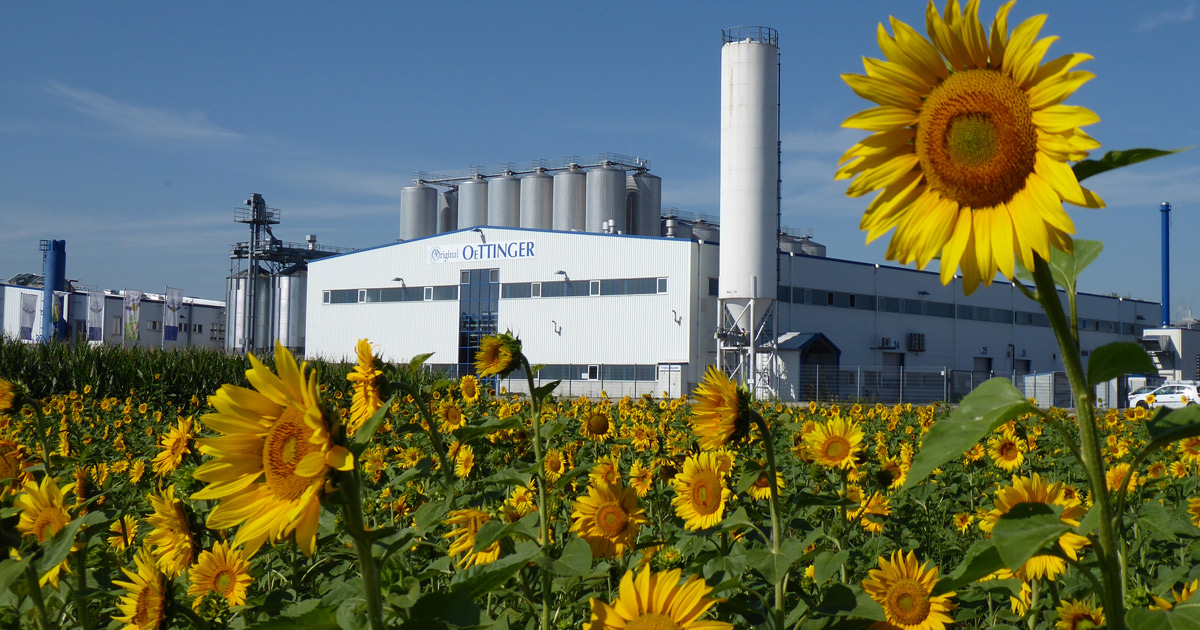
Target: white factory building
{"x": 610, "y": 293}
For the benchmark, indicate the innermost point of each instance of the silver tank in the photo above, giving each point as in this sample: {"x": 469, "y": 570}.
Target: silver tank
{"x": 472, "y": 203}
{"x": 418, "y": 212}
{"x": 570, "y": 199}
{"x": 606, "y": 199}
{"x": 447, "y": 213}
{"x": 812, "y": 248}
{"x": 648, "y": 210}
{"x": 706, "y": 232}
{"x": 504, "y": 201}
{"x": 537, "y": 201}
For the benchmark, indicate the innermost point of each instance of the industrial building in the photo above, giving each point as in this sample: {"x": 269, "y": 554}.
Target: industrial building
{"x": 610, "y": 292}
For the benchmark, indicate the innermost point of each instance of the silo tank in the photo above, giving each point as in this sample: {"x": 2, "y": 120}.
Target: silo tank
{"x": 606, "y": 199}
{"x": 537, "y": 201}
{"x": 447, "y": 215}
{"x": 706, "y": 232}
{"x": 418, "y": 212}
{"x": 472, "y": 203}
{"x": 504, "y": 201}
{"x": 570, "y": 200}
{"x": 749, "y": 166}
{"x": 648, "y": 211}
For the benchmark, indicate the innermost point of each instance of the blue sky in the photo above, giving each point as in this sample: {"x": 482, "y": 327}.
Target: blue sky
{"x": 133, "y": 129}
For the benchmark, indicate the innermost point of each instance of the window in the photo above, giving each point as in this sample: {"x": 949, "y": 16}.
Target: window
{"x": 325, "y": 296}
{"x": 535, "y": 290}
{"x": 889, "y": 304}
{"x": 516, "y": 290}
{"x": 197, "y": 328}
{"x": 713, "y": 286}
{"x": 449, "y": 292}
{"x": 428, "y": 297}
{"x": 662, "y": 285}
{"x": 565, "y": 288}
{"x": 152, "y": 325}
{"x": 819, "y": 297}
{"x": 840, "y": 299}
{"x": 342, "y": 296}
{"x": 464, "y": 277}
{"x": 913, "y": 307}
{"x": 594, "y": 287}
{"x": 966, "y": 312}
{"x": 116, "y": 329}
{"x": 494, "y": 276}
{"x": 593, "y": 372}
{"x": 362, "y": 296}
{"x": 783, "y": 293}
{"x": 939, "y": 309}
{"x": 864, "y": 302}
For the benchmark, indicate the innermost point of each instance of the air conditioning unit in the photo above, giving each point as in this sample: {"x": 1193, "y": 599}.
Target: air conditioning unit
{"x": 886, "y": 342}
{"x": 916, "y": 342}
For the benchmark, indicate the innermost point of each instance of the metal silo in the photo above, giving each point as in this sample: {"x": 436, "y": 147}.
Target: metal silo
{"x": 648, "y": 211}
{"x": 447, "y": 212}
{"x": 537, "y": 201}
{"x": 606, "y": 198}
{"x": 706, "y": 232}
{"x": 418, "y": 212}
{"x": 749, "y": 164}
{"x": 472, "y": 203}
{"x": 570, "y": 199}
{"x": 504, "y": 201}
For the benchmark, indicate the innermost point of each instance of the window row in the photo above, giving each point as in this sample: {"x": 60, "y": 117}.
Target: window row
{"x": 392, "y": 294}
{"x": 582, "y": 372}
{"x": 580, "y": 288}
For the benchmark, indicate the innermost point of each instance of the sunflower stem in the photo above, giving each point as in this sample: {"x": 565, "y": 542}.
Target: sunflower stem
{"x": 776, "y": 526}
{"x": 35, "y": 591}
{"x": 435, "y": 438}
{"x": 43, "y": 437}
{"x": 352, "y": 514}
{"x": 1109, "y": 556}
{"x": 540, "y": 474}
{"x": 85, "y": 619}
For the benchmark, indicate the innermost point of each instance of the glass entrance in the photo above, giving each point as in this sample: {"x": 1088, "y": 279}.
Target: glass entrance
{"x": 478, "y": 302}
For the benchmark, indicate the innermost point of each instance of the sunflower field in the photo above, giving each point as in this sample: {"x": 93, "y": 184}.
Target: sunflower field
{"x": 391, "y": 498}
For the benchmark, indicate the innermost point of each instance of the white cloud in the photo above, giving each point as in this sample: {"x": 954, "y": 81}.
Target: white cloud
{"x": 1163, "y": 18}
{"x": 141, "y": 121}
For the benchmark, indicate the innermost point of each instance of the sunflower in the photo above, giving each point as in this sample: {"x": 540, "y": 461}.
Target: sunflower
{"x": 970, "y": 144}
{"x": 554, "y": 464}
{"x": 962, "y": 521}
{"x": 466, "y": 524}
{"x": 1074, "y": 614}
{"x": 1035, "y": 489}
{"x": 268, "y": 469}
{"x": 1193, "y": 510}
{"x": 835, "y": 443}
{"x": 43, "y": 514}
{"x": 172, "y": 448}
{"x": 1179, "y": 596}
{"x": 170, "y": 538}
{"x": 656, "y": 601}
{"x": 124, "y": 531}
{"x": 872, "y": 512}
{"x": 760, "y": 490}
{"x": 1007, "y": 451}
{"x": 143, "y": 602}
{"x": 365, "y": 400}
{"x": 497, "y": 355}
{"x": 725, "y": 459}
{"x": 450, "y": 417}
{"x": 905, "y": 590}
{"x": 469, "y": 386}
{"x": 7, "y": 395}
{"x": 1189, "y": 450}
{"x": 606, "y": 470}
{"x": 608, "y": 518}
{"x": 223, "y": 572}
{"x": 641, "y": 478}
{"x": 597, "y": 424}
{"x": 1115, "y": 477}
{"x": 14, "y": 467}
{"x": 464, "y": 461}
{"x": 136, "y": 471}
{"x": 700, "y": 492}
{"x": 721, "y": 413}
{"x": 522, "y": 501}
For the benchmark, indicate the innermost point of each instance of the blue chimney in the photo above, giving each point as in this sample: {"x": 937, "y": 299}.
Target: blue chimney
{"x": 54, "y": 278}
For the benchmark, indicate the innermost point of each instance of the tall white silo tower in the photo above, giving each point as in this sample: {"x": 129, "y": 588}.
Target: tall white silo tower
{"x": 749, "y": 269}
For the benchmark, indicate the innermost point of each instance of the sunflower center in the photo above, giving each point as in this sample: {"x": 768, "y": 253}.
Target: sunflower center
{"x": 8, "y": 468}
{"x": 553, "y": 462}
{"x": 597, "y": 424}
{"x": 706, "y": 495}
{"x": 837, "y": 447}
{"x": 223, "y": 582}
{"x": 1008, "y": 450}
{"x": 652, "y": 621}
{"x": 762, "y": 482}
{"x": 149, "y": 608}
{"x": 47, "y": 524}
{"x": 907, "y": 602}
{"x": 976, "y": 139}
{"x": 286, "y": 444}
{"x": 611, "y": 519}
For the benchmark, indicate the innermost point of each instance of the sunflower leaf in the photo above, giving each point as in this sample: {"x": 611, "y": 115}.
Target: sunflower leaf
{"x": 981, "y": 560}
{"x": 1117, "y": 359}
{"x": 576, "y": 559}
{"x": 1116, "y": 159}
{"x": 826, "y": 564}
{"x": 1172, "y": 426}
{"x": 1065, "y": 268}
{"x": 59, "y": 547}
{"x": 992, "y": 404}
{"x": 480, "y": 580}
{"x": 1027, "y": 530}
{"x": 1185, "y": 616}
{"x": 10, "y": 570}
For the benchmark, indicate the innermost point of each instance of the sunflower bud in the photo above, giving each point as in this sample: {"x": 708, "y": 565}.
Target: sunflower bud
{"x": 498, "y": 355}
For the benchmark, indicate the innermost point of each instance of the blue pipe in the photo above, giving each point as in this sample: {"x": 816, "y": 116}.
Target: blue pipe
{"x": 54, "y": 278}
{"x": 1165, "y": 209}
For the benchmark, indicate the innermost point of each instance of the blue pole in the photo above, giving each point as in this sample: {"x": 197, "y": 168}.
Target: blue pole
{"x": 54, "y": 278}
{"x": 1165, "y": 209}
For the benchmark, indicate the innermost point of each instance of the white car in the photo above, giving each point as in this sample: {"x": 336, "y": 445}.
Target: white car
{"x": 1172, "y": 395}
